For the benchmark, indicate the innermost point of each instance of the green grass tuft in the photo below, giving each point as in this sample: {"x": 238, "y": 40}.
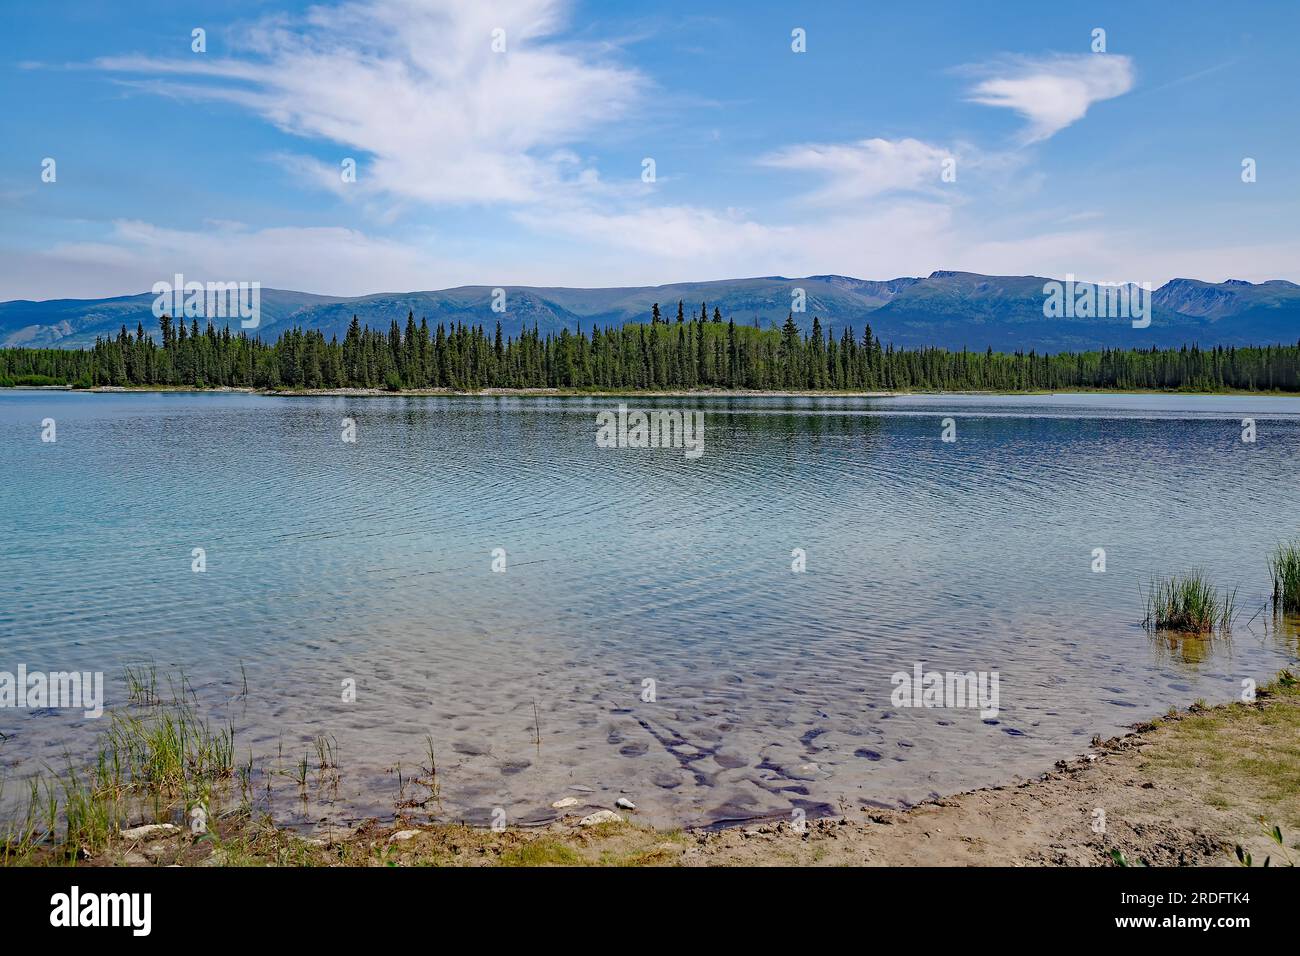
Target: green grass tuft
{"x": 168, "y": 759}
{"x": 1284, "y": 566}
{"x": 1188, "y": 603}
{"x": 542, "y": 852}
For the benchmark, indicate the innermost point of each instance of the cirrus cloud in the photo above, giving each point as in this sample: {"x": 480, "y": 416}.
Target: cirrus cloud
{"x": 867, "y": 168}
{"x": 417, "y": 87}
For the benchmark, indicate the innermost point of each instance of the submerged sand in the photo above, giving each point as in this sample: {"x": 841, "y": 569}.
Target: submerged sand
{"x": 1186, "y": 790}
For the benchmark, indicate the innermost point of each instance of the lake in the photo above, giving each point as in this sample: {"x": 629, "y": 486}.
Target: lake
{"x": 647, "y": 636}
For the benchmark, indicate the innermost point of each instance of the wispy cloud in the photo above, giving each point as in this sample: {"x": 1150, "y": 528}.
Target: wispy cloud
{"x": 867, "y": 168}
{"x": 1051, "y": 92}
{"x": 416, "y": 89}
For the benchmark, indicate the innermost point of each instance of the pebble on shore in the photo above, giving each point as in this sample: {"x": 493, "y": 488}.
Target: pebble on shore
{"x": 600, "y": 816}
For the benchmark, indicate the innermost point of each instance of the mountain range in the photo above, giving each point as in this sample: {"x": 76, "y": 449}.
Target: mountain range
{"x": 950, "y": 309}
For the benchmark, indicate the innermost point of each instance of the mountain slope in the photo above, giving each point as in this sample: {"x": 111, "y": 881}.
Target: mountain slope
{"x": 950, "y": 309}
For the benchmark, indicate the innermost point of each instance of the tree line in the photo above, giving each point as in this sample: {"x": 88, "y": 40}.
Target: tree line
{"x": 694, "y": 351}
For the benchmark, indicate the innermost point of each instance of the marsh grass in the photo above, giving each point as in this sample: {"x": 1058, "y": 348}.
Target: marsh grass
{"x": 167, "y": 750}
{"x": 325, "y": 752}
{"x": 435, "y": 788}
{"x": 164, "y": 761}
{"x": 244, "y": 774}
{"x": 1284, "y": 566}
{"x": 142, "y": 684}
{"x": 1189, "y": 604}
{"x": 20, "y": 837}
{"x": 91, "y": 814}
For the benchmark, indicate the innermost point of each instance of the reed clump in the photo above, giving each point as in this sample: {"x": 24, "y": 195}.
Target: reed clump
{"x": 167, "y": 759}
{"x": 1284, "y": 566}
{"x": 1189, "y": 604}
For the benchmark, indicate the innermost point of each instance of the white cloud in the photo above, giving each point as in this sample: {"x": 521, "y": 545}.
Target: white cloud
{"x": 867, "y": 168}
{"x": 1052, "y": 92}
{"x": 416, "y": 90}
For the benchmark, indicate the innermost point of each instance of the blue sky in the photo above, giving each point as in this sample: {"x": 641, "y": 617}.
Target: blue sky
{"x": 525, "y": 166}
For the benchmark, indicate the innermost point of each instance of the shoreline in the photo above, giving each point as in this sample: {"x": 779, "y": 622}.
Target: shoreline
{"x": 619, "y": 393}
{"x": 1187, "y": 789}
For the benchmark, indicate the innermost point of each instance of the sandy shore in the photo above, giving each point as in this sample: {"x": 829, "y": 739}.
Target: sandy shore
{"x": 496, "y": 392}
{"x": 1185, "y": 790}
{"x": 621, "y": 393}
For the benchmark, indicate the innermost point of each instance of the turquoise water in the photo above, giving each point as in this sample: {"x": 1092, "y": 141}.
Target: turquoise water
{"x": 371, "y": 561}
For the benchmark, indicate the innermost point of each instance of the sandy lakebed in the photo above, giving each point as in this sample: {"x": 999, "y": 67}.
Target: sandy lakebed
{"x": 1189, "y": 789}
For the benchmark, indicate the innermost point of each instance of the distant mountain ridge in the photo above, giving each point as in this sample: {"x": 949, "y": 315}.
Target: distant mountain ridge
{"x": 949, "y": 309}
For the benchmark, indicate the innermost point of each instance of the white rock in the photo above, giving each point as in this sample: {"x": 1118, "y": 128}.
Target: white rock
{"x": 150, "y": 831}
{"x": 403, "y": 835}
{"x": 565, "y": 802}
{"x": 623, "y": 803}
{"x": 600, "y": 816}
